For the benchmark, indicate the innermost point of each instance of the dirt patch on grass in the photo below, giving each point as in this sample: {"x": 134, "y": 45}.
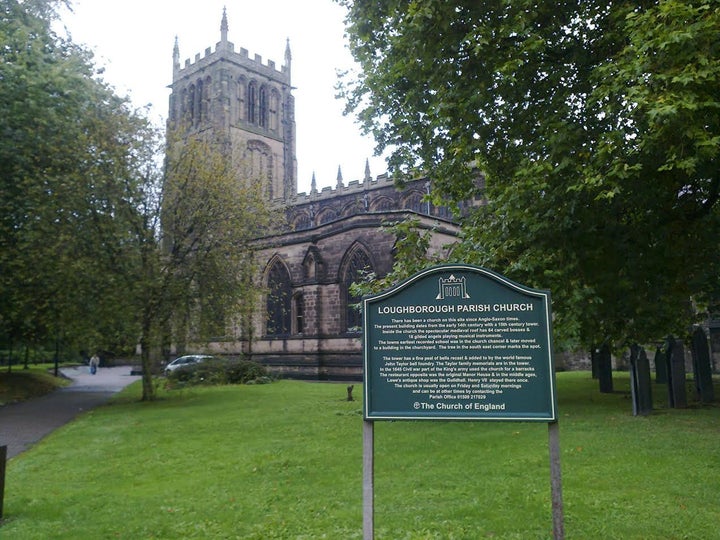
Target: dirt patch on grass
{"x": 23, "y": 385}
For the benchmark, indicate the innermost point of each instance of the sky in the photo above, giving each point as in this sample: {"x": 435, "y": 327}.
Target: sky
{"x": 133, "y": 40}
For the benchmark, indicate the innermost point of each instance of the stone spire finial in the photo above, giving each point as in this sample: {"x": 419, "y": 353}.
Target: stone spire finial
{"x": 313, "y": 184}
{"x": 288, "y": 56}
{"x": 176, "y": 55}
{"x": 368, "y": 176}
{"x": 339, "y": 178}
{"x": 224, "y": 26}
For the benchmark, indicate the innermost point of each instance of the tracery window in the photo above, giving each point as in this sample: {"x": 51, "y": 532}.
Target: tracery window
{"x": 326, "y": 215}
{"x": 358, "y": 265}
{"x": 302, "y": 221}
{"x": 415, "y": 202}
{"x": 278, "y": 300}
{"x": 383, "y": 204}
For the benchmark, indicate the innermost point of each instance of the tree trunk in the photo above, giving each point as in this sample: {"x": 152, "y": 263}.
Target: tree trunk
{"x": 148, "y": 393}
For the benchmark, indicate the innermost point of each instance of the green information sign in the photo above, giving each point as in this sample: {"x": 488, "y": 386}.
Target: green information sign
{"x": 459, "y": 342}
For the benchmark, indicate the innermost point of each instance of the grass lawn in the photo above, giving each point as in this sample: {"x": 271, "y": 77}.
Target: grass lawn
{"x": 284, "y": 460}
{"x": 21, "y": 384}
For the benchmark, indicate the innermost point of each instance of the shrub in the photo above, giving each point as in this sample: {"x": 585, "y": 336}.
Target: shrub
{"x": 244, "y": 371}
{"x": 218, "y": 372}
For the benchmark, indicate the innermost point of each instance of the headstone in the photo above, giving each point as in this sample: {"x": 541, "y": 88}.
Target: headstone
{"x": 661, "y": 374}
{"x": 604, "y": 366}
{"x": 640, "y": 383}
{"x": 702, "y": 369}
{"x": 675, "y": 354}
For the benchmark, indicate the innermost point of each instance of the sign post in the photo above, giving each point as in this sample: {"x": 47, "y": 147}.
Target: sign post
{"x": 459, "y": 342}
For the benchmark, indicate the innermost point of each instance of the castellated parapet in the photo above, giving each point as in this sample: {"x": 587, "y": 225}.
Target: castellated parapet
{"x": 353, "y": 187}
{"x": 226, "y": 51}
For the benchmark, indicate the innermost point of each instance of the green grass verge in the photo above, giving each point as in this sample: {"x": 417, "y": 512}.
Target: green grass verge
{"x": 22, "y": 384}
{"x": 284, "y": 460}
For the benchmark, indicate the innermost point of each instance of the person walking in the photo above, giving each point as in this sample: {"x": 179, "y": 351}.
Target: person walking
{"x": 94, "y": 363}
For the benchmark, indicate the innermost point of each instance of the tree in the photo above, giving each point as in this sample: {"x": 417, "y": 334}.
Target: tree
{"x": 101, "y": 247}
{"x": 195, "y": 263}
{"x": 596, "y": 126}
{"x": 69, "y": 155}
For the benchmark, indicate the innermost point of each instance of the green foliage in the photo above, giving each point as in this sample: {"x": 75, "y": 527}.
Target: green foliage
{"x": 218, "y": 372}
{"x": 597, "y": 127}
{"x": 100, "y": 248}
{"x": 71, "y": 158}
{"x": 210, "y": 216}
{"x": 410, "y": 256}
{"x": 196, "y": 266}
{"x": 284, "y": 461}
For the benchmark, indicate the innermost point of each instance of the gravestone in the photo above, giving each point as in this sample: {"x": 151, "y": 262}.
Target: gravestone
{"x": 604, "y": 367}
{"x": 640, "y": 382}
{"x": 702, "y": 369}
{"x": 675, "y": 357}
{"x": 661, "y": 374}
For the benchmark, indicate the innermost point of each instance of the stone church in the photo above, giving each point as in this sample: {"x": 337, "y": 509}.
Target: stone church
{"x": 306, "y": 325}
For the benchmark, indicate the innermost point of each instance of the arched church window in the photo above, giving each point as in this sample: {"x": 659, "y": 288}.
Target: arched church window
{"x": 351, "y": 208}
{"x": 278, "y": 300}
{"x": 252, "y": 103}
{"x": 302, "y": 221}
{"x": 326, "y": 215}
{"x": 414, "y": 202}
{"x": 263, "y": 107}
{"x": 382, "y": 204}
{"x": 358, "y": 265}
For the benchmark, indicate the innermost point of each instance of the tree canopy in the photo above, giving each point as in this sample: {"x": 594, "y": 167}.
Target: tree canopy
{"x": 596, "y": 128}
{"x": 70, "y": 153}
{"x": 103, "y": 247}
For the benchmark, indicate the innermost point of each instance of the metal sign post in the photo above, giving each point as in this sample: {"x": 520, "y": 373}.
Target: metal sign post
{"x": 458, "y": 342}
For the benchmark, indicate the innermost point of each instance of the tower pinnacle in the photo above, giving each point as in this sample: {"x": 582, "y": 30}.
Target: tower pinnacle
{"x": 288, "y": 56}
{"x": 224, "y": 27}
{"x": 176, "y": 56}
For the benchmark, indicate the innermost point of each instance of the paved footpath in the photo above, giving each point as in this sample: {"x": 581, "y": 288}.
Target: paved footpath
{"x": 24, "y": 424}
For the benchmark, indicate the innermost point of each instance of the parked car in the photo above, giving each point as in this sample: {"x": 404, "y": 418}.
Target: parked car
{"x": 186, "y": 361}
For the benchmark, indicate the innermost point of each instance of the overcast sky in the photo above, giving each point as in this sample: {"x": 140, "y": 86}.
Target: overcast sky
{"x": 133, "y": 40}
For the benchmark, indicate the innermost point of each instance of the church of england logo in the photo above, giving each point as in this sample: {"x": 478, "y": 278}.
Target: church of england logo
{"x": 451, "y": 287}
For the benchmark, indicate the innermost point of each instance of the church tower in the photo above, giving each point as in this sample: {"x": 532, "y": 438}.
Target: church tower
{"x": 245, "y": 104}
